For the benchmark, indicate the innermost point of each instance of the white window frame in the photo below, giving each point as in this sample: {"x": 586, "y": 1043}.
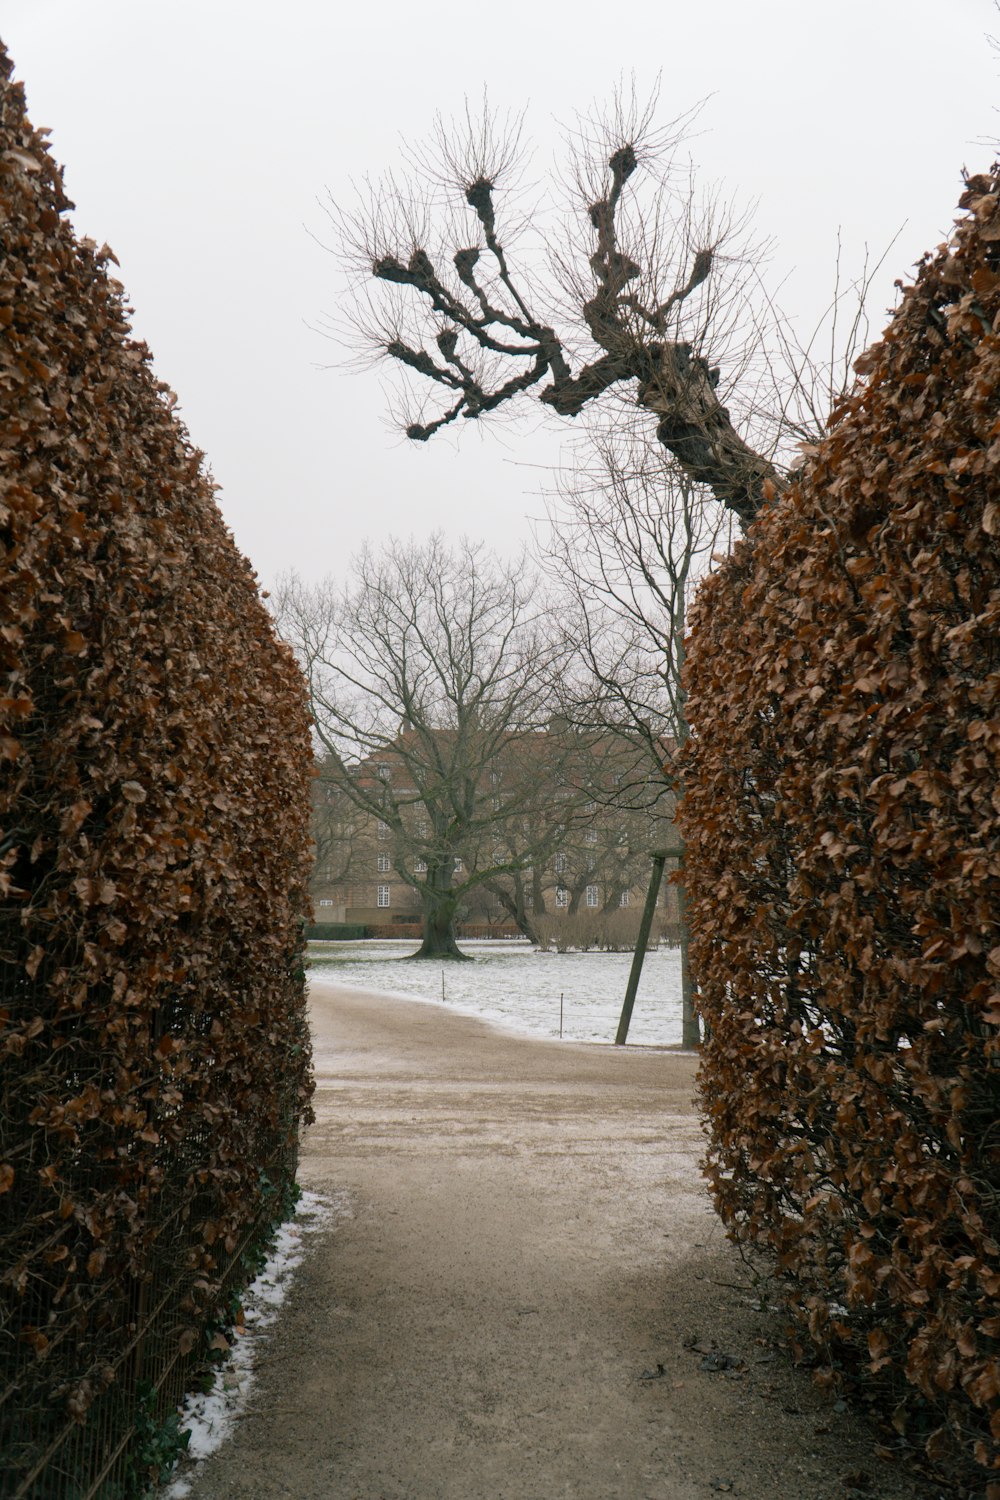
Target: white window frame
{"x": 562, "y": 896}
{"x": 383, "y": 864}
{"x": 383, "y": 896}
{"x": 593, "y": 898}
{"x": 559, "y": 864}
{"x": 590, "y": 836}
{"x": 623, "y": 899}
{"x": 383, "y": 829}
{"x": 326, "y": 901}
{"x": 420, "y": 867}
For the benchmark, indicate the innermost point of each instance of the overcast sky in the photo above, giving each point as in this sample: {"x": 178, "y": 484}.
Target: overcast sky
{"x": 199, "y": 136}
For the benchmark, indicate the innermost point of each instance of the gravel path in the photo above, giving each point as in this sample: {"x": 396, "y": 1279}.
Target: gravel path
{"x": 532, "y": 1298}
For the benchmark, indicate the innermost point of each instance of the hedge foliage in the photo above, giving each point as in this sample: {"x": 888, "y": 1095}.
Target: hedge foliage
{"x": 154, "y": 768}
{"x": 843, "y": 831}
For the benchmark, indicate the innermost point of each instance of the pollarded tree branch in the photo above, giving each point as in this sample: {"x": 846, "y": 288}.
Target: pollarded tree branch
{"x": 673, "y": 382}
{"x": 475, "y": 401}
{"x": 568, "y": 397}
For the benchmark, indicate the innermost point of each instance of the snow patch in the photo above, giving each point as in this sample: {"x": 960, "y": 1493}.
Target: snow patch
{"x": 209, "y": 1417}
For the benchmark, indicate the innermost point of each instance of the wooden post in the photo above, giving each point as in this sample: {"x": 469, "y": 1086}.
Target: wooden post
{"x": 659, "y": 859}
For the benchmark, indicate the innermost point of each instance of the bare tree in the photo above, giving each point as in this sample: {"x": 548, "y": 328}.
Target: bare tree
{"x": 802, "y": 377}
{"x": 591, "y": 848}
{"x": 432, "y": 678}
{"x": 334, "y": 828}
{"x": 628, "y": 536}
{"x": 640, "y": 289}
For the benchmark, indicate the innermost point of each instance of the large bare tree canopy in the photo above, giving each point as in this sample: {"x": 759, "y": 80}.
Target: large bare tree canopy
{"x": 477, "y": 303}
{"x": 433, "y": 679}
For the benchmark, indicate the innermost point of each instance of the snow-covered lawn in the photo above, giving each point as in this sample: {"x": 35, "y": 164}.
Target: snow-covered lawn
{"x": 519, "y": 987}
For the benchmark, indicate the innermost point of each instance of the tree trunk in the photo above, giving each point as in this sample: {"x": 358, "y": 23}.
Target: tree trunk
{"x": 440, "y": 903}
{"x": 690, "y": 1034}
{"x": 690, "y": 1029}
{"x": 439, "y": 936}
{"x": 515, "y": 907}
{"x": 678, "y": 387}
{"x": 695, "y": 427}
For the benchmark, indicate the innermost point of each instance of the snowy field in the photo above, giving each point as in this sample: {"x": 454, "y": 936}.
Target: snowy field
{"x": 519, "y": 988}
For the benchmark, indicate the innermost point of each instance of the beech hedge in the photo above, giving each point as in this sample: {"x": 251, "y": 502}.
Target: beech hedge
{"x": 842, "y": 820}
{"x": 154, "y": 769}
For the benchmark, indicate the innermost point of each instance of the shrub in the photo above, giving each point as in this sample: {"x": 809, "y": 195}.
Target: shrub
{"x": 613, "y": 931}
{"x": 842, "y": 821}
{"x": 335, "y": 932}
{"x": 154, "y": 765}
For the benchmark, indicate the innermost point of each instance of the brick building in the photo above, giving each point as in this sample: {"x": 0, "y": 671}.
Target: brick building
{"x": 555, "y": 836}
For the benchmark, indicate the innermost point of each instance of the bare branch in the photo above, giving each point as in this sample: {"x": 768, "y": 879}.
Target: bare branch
{"x": 644, "y": 282}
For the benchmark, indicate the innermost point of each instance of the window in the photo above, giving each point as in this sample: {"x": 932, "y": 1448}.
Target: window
{"x": 383, "y": 829}
{"x": 458, "y": 867}
{"x": 495, "y": 778}
{"x": 383, "y": 895}
{"x": 382, "y": 771}
{"x": 623, "y": 899}
{"x": 496, "y": 804}
{"x": 420, "y": 866}
{"x": 562, "y": 896}
{"x": 325, "y": 901}
{"x": 590, "y": 837}
{"x": 560, "y": 864}
{"x": 383, "y": 864}
{"x": 590, "y": 807}
{"x": 592, "y": 895}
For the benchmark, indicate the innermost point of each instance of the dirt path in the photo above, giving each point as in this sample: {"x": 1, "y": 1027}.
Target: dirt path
{"x": 530, "y": 1238}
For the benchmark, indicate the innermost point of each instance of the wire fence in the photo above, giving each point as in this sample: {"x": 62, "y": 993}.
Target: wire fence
{"x": 92, "y": 1366}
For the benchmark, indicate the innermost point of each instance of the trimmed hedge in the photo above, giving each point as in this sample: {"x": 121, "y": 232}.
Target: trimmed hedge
{"x": 154, "y": 800}
{"x": 842, "y": 820}
{"x": 335, "y": 932}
